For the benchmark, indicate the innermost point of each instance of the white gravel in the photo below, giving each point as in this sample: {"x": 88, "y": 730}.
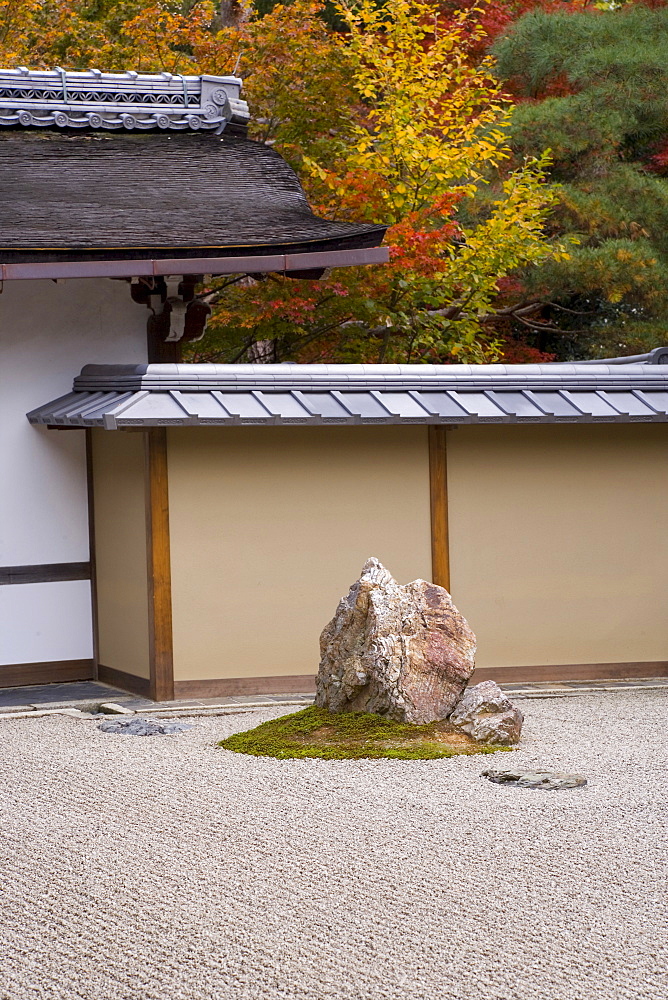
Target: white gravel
{"x": 165, "y": 868}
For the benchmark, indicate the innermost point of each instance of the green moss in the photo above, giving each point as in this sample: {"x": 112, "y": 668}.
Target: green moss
{"x": 314, "y": 732}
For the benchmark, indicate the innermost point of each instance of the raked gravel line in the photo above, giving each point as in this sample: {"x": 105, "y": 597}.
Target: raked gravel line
{"x": 165, "y": 868}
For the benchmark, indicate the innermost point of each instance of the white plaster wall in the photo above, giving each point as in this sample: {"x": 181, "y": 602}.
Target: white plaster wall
{"x": 45, "y": 622}
{"x": 48, "y": 331}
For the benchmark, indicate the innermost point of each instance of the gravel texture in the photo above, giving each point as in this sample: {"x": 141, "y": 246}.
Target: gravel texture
{"x": 169, "y": 869}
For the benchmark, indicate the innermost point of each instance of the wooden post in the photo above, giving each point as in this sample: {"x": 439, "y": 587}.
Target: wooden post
{"x": 159, "y": 568}
{"x": 159, "y": 351}
{"x": 438, "y": 489}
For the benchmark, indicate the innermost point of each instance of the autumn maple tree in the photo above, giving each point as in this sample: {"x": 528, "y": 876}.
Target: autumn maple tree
{"x": 417, "y": 139}
{"x": 394, "y": 119}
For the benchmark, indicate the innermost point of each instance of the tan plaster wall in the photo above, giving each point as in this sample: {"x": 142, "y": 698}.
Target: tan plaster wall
{"x": 120, "y": 551}
{"x": 559, "y": 542}
{"x": 270, "y": 526}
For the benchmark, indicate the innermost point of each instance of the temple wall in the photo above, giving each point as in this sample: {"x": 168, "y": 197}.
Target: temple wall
{"x": 559, "y": 542}
{"x": 270, "y": 526}
{"x": 120, "y": 552}
{"x": 558, "y": 546}
{"x": 48, "y": 331}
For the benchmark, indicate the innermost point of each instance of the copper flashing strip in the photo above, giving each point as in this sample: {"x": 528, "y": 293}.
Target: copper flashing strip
{"x": 194, "y": 265}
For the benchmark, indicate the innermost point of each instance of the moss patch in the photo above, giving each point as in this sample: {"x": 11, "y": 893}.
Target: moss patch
{"x": 314, "y": 732}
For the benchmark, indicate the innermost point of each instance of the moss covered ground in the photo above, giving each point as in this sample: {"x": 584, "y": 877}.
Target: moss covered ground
{"x": 315, "y": 732}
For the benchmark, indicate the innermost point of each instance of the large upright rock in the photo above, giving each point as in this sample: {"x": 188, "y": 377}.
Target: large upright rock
{"x": 405, "y": 652}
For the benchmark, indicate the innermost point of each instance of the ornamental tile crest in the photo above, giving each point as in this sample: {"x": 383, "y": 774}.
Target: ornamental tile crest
{"x": 131, "y": 101}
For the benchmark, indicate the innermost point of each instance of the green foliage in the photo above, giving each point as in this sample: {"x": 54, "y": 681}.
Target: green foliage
{"x": 593, "y": 88}
{"x": 579, "y": 132}
{"x": 627, "y": 47}
{"x": 281, "y": 58}
{"x": 330, "y": 13}
{"x": 113, "y": 35}
{"x": 314, "y": 732}
{"x": 416, "y": 139}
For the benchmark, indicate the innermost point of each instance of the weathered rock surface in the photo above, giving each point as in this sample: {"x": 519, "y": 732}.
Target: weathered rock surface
{"x": 401, "y": 651}
{"x": 488, "y": 715}
{"x": 548, "y": 780}
{"x": 143, "y": 727}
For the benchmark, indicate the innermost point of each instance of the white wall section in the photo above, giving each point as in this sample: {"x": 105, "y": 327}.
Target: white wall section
{"x": 43, "y": 622}
{"x": 48, "y": 331}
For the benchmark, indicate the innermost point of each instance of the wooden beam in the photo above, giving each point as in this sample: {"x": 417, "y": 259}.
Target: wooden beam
{"x": 223, "y": 687}
{"x": 90, "y": 490}
{"x": 45, "y": 573}
{"x": 159, "y": 351}
{"x": 438, "y": 491}
{"x": 50, "y": 672}
{"x": 126, "y": 682}
{"x": 159, "y": 566}
{"x": 570, "y": 672}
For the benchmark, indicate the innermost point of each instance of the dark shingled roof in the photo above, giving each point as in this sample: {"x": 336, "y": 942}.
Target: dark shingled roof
{"x": 100, "y": 196}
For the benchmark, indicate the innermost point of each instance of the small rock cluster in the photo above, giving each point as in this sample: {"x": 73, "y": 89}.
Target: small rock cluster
{"x": 548, "y": 780}
{"x": 486, "y": 714}
{"x": 407, "y": 652}
{"x": 142, "y": 727}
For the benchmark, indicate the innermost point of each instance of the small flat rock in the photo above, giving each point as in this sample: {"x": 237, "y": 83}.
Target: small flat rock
{"x": 142, "y": 727}
{"x": 548, "y": 780}
{"x": 113, "y": 708}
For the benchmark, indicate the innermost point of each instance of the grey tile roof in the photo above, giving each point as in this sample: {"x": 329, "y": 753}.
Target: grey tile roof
{"x": 116, "y": 396}
{"x": 93, "y": 196}
{"x": 91, "y": 99}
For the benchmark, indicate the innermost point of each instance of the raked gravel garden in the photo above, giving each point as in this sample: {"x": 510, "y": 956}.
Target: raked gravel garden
{"x": 170, "y": 869}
